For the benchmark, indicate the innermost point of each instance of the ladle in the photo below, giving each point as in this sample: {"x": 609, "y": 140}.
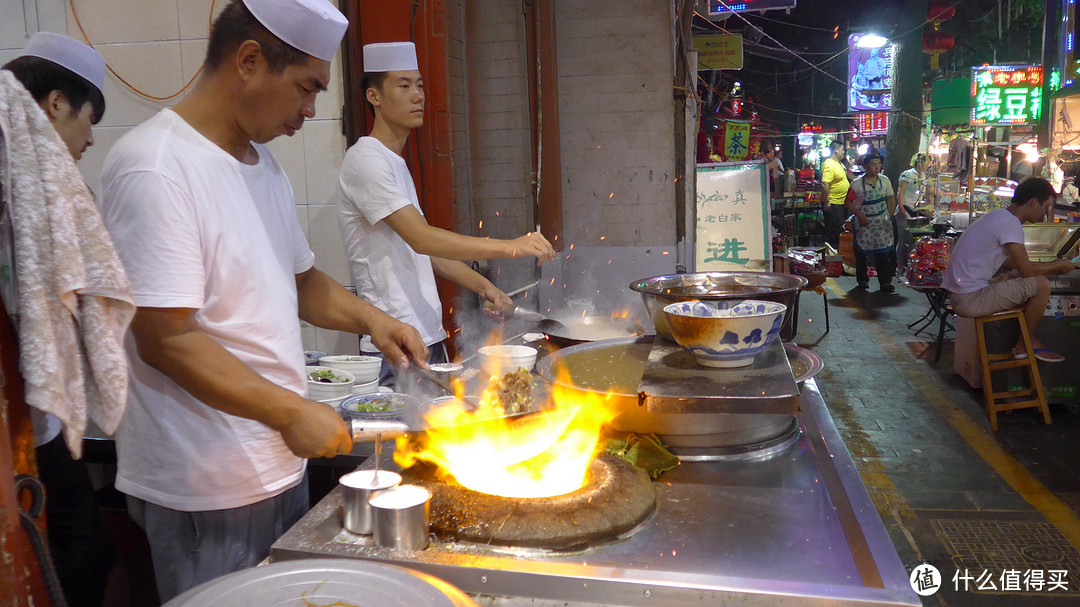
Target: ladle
{"x": 546, "y": 324}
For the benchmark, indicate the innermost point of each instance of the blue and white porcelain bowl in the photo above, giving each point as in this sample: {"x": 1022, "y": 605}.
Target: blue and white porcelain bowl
{"x": 725, "y": 333}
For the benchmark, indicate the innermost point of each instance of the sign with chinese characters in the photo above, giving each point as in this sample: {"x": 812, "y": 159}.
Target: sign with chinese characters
{"x": 719, "y": 52}
{"x": 736, "y": 140}
{"x": 871, "y": 124}
{"x": 1006, "y": 95}
{"x": 732, "y": 216}
{"x": 719, "y": 7}
{"x": 870, "y": 76}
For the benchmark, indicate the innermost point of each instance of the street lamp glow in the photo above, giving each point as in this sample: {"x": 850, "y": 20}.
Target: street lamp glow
{"x": 871, "y": 41}
{"x": 864, "y": 148}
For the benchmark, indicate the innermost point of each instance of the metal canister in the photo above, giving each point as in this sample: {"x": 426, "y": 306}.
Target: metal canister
{"x": 400, "y": 517}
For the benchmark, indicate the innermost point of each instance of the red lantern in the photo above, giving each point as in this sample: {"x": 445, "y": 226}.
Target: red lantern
{"x": 940, "y": 10}
{"x": 936, "y": 41}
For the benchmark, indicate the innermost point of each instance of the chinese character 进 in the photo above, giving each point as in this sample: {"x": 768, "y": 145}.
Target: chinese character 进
{"x": 727, "y": 251}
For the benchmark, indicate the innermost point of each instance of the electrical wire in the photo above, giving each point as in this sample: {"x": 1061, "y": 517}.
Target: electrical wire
{"x": 78, "y": 22}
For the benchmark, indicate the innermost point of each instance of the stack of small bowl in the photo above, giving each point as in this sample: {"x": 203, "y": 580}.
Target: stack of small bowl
{"x": 364, "y": 368}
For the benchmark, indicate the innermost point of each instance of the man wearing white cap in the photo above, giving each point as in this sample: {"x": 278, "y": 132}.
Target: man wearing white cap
{"x": 393, "y": 252}
{"x": 210, "y": 451}
{"x": 65, "y": 77}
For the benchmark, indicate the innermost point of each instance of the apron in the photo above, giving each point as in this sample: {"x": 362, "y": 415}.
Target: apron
{"x": 878, "y": 236}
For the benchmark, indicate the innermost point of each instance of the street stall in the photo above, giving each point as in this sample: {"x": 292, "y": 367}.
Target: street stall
{"x": 659, "y": 469}
{"x": 796, "y": 527}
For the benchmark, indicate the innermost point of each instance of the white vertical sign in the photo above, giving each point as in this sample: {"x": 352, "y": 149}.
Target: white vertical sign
{"x": 732, "y": 216}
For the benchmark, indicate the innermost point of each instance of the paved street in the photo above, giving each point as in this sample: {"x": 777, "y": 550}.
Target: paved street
{"x": 950, "y": 492}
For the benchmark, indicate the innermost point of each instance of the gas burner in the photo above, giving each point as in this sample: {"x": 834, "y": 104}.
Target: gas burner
{"x": 616, "y": 497}
{"x": 753, "y": 451}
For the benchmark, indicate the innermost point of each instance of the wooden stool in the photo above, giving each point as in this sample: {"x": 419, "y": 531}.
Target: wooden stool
{"x": 996, "y": 362}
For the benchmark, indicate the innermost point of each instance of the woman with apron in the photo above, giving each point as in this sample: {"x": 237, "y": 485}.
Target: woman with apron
{"x": 871, "y": 200}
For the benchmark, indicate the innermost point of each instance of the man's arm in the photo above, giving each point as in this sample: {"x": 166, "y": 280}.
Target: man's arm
{"x": 437, "y": 242}
{"x": 168, "y": 340}
{"x": 463, "y": 275}
{"x": 325, "y": 303}
{"x": 1018, "y": 260}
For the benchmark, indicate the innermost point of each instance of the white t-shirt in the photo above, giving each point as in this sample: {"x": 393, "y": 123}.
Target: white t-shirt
{"x": 980, "y": 252}
{"x": 911, "y": 192}
{"x": 195, "y": 228}
{"x": 387, "y": 272}
{"x": 881, "y": 188}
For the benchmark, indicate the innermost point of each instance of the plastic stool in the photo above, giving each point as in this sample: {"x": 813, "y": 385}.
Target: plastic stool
{"x": 1002, "y": 401}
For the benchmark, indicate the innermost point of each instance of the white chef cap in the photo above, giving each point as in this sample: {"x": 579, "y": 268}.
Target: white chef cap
{"x": 312, "y": 26}
{"x": 390, "y": 57}
{"x": 68, "y": 53}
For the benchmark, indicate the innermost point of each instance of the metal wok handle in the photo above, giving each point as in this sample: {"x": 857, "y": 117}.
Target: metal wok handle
{"x": 366, "y": 431}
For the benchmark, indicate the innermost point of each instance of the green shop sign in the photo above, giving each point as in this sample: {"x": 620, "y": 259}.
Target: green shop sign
{"x": 1006, "y": 95}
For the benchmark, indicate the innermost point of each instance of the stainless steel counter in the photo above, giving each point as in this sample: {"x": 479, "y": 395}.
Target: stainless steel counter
{"x": 797, "y": 528}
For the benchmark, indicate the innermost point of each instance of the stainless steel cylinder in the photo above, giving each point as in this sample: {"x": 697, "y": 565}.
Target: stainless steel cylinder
{"x": 400, "y": 517}
{"x": 358, "y": 487}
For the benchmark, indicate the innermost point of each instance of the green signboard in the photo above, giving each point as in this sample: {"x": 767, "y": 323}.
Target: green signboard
{"x": 1006, "y": 95}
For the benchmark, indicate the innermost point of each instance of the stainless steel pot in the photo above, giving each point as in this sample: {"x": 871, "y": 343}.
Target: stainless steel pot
{"x": 659, "y": 291}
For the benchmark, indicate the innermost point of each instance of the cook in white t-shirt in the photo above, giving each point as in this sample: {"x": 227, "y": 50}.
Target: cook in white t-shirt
{"x": 211, "y": 449}
{"x": 393, "y": 252}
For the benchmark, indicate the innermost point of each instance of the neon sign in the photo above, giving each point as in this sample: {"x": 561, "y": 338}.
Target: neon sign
{"x": 1006, "y": 94}
{"x": 719, "y": 7}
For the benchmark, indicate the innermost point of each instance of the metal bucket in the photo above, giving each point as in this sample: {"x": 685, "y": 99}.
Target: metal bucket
{"x": 659, "y": 291}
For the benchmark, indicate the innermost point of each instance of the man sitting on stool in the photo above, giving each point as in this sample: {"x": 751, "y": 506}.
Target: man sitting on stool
{"x": 996, "y": 242}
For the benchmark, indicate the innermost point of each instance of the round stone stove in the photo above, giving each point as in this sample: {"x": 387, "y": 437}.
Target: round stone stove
{"x": 617, "y": 496}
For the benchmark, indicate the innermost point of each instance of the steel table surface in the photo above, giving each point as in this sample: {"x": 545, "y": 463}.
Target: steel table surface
{"x": 797, "y": 528}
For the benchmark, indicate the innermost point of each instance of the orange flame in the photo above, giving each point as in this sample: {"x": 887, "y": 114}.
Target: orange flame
{"x": 539, "y": 454}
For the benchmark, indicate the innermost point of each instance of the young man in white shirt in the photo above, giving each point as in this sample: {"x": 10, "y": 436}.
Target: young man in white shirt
{"x": 996, "y": 242}
{"x": 393, "y": 252}
{"x": 211, "y": 450}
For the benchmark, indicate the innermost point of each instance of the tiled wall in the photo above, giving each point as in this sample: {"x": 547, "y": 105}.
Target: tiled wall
{"x": 157, "y": 46}
{"x": 616, "y": 119}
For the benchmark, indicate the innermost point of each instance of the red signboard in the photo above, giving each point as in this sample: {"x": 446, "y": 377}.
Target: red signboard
{"x": 871, "y": 124}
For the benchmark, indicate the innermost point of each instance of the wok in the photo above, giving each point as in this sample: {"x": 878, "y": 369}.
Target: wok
{"x": 568, "y": 328}
{"x": 547, "y": 423}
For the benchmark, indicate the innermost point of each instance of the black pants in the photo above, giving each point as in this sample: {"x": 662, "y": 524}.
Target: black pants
{"x": 884, "y": 262}
{"x": 835, "y": 214}
{"x": 81, "y": 548}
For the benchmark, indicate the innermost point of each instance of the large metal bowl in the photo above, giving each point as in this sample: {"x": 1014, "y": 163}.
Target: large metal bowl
{"x": 659, "y": 291}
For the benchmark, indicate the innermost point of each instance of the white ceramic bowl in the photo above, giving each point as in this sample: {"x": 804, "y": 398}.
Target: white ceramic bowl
{"x": 497, "y": 360}
{"x": 364, "y": 368}
{"x": 338, "y": 386}
{"x": 725, "y": 333}
{"x": 367, "y": 387}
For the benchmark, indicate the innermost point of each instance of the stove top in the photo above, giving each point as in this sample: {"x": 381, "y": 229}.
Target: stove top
{"x": 794, "y": 528}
